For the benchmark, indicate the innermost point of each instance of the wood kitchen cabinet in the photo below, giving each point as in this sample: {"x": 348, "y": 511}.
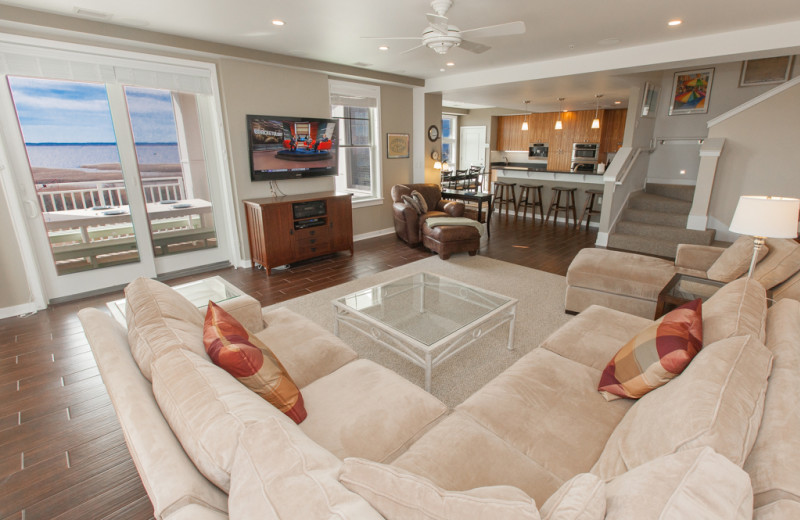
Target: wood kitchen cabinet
{"x": 510, "y": 135}
{"x": 613, "y": 131}
{"x": 560, "y": 157}
{"x": 284, "y": 230}
{"x": 583, "y": 131}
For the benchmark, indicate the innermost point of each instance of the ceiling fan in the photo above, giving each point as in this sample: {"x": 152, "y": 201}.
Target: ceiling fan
{"x": 441, "y": 36}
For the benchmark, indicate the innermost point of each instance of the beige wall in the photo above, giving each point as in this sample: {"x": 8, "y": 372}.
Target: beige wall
{"x": 758, "y": 158}
{"x": 13, "y": 279}
{"x": 433, "y": 116}
{"x": 668, "y": 160}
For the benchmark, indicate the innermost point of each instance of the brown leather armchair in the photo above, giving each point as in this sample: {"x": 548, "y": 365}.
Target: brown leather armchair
{"x": 407, "y": 223}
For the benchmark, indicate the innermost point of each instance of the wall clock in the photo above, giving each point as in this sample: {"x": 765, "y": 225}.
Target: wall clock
{"x": 433, "y": 133}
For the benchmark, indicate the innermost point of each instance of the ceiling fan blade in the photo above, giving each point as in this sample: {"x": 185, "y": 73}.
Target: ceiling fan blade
{"x": 503, "y": 29}
{"x": 391, "y": 38}
{"x": 412, "y": 49}
{"x": 438, "y": 22}
{"x": 475, "y": 47}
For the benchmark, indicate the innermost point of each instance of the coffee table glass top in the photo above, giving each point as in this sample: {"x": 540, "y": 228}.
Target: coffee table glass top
{"x": 425, "y": 307}
{"x": 199, "y": 292}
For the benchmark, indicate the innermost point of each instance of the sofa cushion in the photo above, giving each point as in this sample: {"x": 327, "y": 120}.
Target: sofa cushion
{"x": 366, "y": 410}
{"x": 459, "y": 454}
{"x": 412, "y": 203}
{"x": 231, "y": 347}
{"x": 735, "y": 260}
{"x": 207, "y": 410}
{"x": 737, "y": 309}
{"x": 788, "y": 289}
{"x": 774, "y": 461}
{"x": 305, "y": 349}
{"x": 159, "y": 320}
{"x": 399, "y": 494}
{"x": 696, "y": 483}
{"x": 278, "y": 472}
{"x": 782, "y": 262}
{"x": 656, "y": 354}
{"x": 583, "y": 497}
{"x": 593, "y": 336}
{"x": 548, "y": 407}
{"x": 423, "y": 205}
{"x": 717, "y": 401}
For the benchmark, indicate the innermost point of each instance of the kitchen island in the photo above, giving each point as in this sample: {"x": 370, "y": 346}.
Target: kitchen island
{"x": 521, "y": 173}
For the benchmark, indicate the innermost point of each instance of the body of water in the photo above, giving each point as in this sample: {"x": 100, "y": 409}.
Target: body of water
{"x": 78, "y": 155}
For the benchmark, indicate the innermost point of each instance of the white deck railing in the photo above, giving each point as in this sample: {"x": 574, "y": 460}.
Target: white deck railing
{"x": 82, "y": 195}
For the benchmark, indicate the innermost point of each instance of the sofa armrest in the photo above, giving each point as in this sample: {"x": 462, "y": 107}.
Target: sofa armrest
{"x": 246, "y": 310}
{"x": 696, "y": 257}
{"x": 454, "y": 209}
{"x": 406, "y": 222}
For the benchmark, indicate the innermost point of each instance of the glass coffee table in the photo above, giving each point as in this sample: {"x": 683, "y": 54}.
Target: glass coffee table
{"x": 425, "y": 318}
{"x": 199, "y": 292}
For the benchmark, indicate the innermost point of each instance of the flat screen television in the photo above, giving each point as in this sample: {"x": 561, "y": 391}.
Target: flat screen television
{"x": 292, "y": 147}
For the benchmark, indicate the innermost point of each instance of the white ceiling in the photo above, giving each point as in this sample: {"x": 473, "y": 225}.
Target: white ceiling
{"x": 332, "y": 31}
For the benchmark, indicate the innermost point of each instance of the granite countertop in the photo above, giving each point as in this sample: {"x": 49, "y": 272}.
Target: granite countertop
{"x": 533, "y": 167}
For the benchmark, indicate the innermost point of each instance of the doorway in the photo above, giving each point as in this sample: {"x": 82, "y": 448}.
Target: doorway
{"x": 472, "y": 146}
{"x": 113, "y": 180}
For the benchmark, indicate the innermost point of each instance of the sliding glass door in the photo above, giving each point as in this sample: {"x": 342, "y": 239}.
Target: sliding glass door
{"x": 117, "y": 182}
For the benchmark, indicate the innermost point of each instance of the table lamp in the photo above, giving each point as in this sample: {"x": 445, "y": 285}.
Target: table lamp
{"x": 765, "y": 217}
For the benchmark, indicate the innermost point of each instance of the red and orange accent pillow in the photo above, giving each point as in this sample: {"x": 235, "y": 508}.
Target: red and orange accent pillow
{"x": 655, "y": 355}
{"x": 245, "y": 357}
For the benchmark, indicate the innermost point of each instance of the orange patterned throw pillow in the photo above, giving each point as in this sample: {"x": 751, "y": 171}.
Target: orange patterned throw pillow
{"x": 245, "y": 357}
{"x": 655, "y": 355}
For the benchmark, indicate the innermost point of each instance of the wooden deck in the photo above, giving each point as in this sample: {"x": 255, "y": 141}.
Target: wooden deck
{"x": 63, "y": 454}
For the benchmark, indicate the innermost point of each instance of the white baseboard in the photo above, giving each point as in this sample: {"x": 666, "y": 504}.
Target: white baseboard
{"x": 17, "y": 310}
{"x": 602, "y": 239}
{"x": 373, "y": 234}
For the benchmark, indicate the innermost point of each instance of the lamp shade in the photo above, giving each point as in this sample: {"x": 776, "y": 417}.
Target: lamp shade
{"x": 768, "y": 217}
{"x": 437, "y": 165}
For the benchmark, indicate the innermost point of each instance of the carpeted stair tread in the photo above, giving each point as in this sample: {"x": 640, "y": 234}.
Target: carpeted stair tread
{"x": 666, "y": 233}
{"x": 649, "y": 202}
{"x": 675, "y": 191}
{"x": 640, "y": 244}
{"x": 655, "y": 217}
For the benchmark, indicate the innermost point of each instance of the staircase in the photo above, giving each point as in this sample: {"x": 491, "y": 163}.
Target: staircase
{"x": 654, "y": 222}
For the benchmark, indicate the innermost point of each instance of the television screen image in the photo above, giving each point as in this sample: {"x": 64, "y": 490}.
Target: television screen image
{"x": 291, "y": 147}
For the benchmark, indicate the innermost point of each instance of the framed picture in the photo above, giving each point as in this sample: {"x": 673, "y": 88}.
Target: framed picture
{"x": 690, "y": 92}
{"x": 766, "y": 71}
{"x": 397, "y": 146}
{"x": 650, "y": 101}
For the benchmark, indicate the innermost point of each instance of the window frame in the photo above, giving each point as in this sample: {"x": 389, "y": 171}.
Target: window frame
{"x": 452, "y": 140}
{"x": 362, "y": 96}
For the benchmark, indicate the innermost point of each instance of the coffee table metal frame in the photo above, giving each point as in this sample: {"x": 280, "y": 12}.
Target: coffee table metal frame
{"x": 415, "y": 351}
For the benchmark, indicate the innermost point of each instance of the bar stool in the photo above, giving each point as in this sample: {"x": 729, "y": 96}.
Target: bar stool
{"x": 530, "y": 196}
{"x": 588, "y": 208}
{"x": 569, "y": 204}
{"x": 504, "y": 194}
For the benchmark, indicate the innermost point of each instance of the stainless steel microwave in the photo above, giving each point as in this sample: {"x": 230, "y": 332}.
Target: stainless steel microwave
{"x": 585, "y": 152}
{"x": 538, "y": 150}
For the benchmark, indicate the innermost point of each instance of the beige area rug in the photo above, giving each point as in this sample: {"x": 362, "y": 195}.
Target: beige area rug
{"x": 540, "y": 311}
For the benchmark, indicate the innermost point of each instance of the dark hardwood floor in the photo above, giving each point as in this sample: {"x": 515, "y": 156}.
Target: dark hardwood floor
{"x": 62, "y": 453}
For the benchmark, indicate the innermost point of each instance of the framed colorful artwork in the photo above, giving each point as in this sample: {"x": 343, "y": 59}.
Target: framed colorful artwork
{"x": 766, "y": 71}
{"x": 397, "y": 146}
{"x": 650, "y": 101}
{"x": 690, "y": 92}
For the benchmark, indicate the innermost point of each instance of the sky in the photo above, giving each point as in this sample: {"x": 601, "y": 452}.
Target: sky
{"x": 52, "y": 111}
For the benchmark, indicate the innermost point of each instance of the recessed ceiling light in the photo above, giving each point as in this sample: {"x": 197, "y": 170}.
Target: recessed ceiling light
{"x": 278, "y": 22}
{"x": 450, "y": 64}
{"x": 617, "y": 102}
{"x": 674, "y": 22}
{"x": 383, "y": 48}
{"x": 441, "y": 70}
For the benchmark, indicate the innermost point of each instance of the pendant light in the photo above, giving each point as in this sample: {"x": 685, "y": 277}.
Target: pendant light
{"x": 525, "y": 123}
{"x": 559, "y": 126}
{"x": 596, "y": 120}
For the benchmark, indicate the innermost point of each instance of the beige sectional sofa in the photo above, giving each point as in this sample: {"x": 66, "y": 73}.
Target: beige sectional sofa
{"x": 206, "y": 447}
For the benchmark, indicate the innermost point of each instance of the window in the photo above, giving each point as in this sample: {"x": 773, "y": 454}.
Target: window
{"x": 449, "y": 151}
{"x": 356, "y": 107}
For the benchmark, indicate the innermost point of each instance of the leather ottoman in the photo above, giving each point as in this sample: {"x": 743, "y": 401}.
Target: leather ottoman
{"x": 446, "y": 240}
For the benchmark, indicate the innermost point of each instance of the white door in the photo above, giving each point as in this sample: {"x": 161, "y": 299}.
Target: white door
{"x": 102, "y": 204}
{"x": 472, "y": 147}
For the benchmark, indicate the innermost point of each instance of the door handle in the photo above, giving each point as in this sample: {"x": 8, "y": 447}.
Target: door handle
{"x": 30, "y": 209}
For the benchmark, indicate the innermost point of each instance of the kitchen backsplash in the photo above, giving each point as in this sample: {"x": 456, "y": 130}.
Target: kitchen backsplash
{"x": 513, "y": 157}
